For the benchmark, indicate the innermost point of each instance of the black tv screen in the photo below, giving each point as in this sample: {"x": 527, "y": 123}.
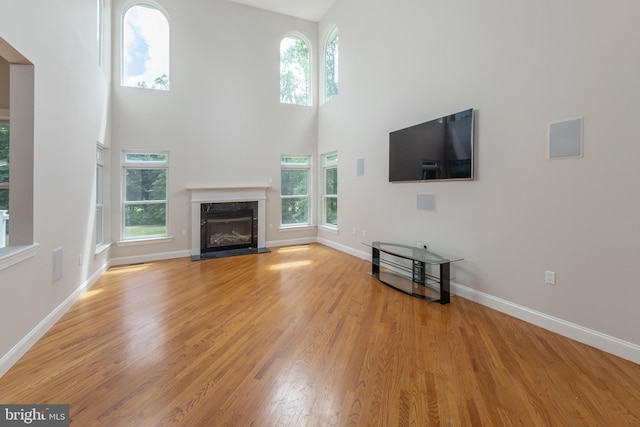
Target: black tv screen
{"x": 440, "y": 149}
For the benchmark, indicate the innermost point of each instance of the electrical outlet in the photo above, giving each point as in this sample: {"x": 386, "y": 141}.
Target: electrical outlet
{"x": 550, "y": 277}
{"x": 364, "y": 233}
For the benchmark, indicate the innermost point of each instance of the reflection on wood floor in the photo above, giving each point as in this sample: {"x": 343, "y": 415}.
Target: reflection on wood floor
{"x": 305, "y": 336}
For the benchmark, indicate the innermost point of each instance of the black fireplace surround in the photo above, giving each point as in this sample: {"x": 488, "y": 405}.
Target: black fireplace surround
{"x": 228, "y": 226}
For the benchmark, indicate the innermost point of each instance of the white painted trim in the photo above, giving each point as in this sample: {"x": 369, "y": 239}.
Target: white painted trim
{"x": 19, "y": 350}
{"x": 230, "y": 188}
{"x": 12, "y": 255}
{"x": 222, "y": 194}
{"x": 150, "y": 257}
{"x": 291, "y": 242}
{"x": 607, "y": 343}
{"x": 342, "y": 248}
{"x": 604, "y": 342}
{"x": 145, "y": 241}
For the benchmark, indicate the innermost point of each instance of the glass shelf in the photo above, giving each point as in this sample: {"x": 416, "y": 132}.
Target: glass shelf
{"x": 407, "y": 269}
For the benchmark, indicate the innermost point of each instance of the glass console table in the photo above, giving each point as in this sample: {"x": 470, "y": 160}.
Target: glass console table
{"x": 408, "y": 269}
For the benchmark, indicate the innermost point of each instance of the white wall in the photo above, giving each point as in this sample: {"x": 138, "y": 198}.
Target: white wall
{"x": 69, "y": 112}
{"x": 222, "y": 121}
{"x": 521, "y": 65}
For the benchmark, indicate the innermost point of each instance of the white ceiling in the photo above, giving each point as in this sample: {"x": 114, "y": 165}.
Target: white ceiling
{"x": 312, "y": 10}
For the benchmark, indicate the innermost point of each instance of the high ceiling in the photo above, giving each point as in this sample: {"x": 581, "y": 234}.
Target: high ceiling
{"x": 312, "y": 10}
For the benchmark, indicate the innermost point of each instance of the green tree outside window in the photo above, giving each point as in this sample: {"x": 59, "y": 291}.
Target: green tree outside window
{"x": 331, "y": 65}
{"x": 295, "y": 72}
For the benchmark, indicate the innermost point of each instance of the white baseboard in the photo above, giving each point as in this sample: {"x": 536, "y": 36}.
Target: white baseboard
{"x": 150, "y": 257}
{"x": 365, "y": 255}
{"x": 291, "y": 242}
{"x": 607, "y": 343}
{"x": 19, "y": 350}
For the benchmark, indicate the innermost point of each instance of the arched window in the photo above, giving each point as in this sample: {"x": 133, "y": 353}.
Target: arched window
{"x": 331, "y": 64}
{"x": 145, "y": 48}
{"x": 295, "y": 74}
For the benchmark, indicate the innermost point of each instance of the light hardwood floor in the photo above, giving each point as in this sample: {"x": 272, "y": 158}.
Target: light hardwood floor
{"x": 305, "y": 336}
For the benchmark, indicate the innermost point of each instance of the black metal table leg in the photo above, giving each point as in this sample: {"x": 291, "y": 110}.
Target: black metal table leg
{"x": 375, "y": 262}
{"x": 444, "y": 283}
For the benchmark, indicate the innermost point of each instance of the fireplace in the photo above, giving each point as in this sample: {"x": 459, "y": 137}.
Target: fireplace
{"x": 227, "y": 221}
{"x": 225, "y": 226}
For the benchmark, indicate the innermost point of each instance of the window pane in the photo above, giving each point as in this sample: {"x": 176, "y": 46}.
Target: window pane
{"x": 4, "y": 199}
{"x": 331, "y": 181}
{"x": 331, "y": 210}
{"x": 99, "y": 228}
{"x": 145, "y": 48}
{"x": 331, "y": 158}
{"x": 146, "y": 184}
{"x": 146, "y": 157}
{"x": 294, "y": 71}
{"x": 99, "y": 196}
{"x": 295, "y": 210}
{"x": 294, "y": 182}
{"x": 4, "y": 221}
{"x": 4, "y": 153}
{"x": 290, "y": 160}
{"x": 143, "y": 220}
{"x": 331, "y": 65}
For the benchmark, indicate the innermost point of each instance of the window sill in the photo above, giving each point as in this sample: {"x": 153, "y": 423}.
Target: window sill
{"x": 296, "y": 227}
{"x": 330, "y": 228}
{"x": 100, "y": 249}
{"x": 12, "y": 255}
{"x": 149, "y": 241}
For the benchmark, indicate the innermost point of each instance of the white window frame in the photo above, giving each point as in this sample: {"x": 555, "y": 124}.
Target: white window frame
{"x": 298, "y": 166}
{"x": 99, "y": 218}
{"x": 130, "y": 164}
{"x": 329, "y": 162}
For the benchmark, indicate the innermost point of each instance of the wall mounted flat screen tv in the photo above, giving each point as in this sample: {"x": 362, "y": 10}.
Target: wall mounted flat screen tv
{"x": 440, "y": 149}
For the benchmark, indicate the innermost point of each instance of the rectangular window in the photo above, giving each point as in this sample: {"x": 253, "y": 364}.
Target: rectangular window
{"x": 145, "y": 195}
{"x": 294, "y": 191}
{"x": 330, "y": 190}
{"x": 99, "y": 196}
{"x": 4, "y": 183}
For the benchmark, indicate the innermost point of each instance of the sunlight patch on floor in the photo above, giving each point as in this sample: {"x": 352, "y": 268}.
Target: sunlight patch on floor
{"x": 288, "y": 249}
{"x": 91, "y": 293}
{"x": 292, "y": 264}
{"x": 127, "y": 268}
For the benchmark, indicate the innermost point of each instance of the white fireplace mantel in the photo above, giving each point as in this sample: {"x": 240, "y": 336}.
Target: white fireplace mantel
{"x": 213, "y": 194}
